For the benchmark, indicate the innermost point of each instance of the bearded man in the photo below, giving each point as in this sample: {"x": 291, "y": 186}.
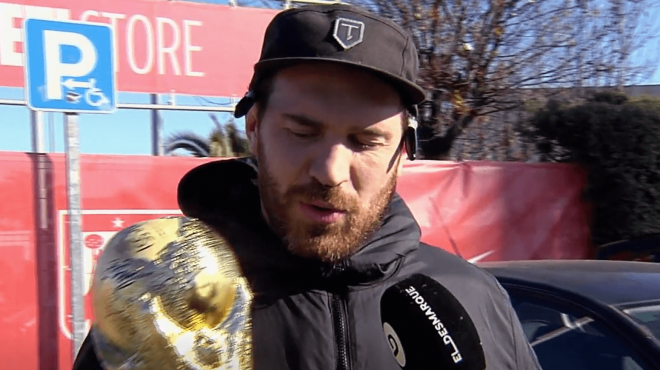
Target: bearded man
{"x": 314, "y": 216}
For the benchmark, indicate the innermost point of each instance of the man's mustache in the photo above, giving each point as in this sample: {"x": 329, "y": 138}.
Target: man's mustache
{"x": 315, "y": 191}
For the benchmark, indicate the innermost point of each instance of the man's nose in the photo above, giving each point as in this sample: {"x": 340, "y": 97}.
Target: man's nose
{"x": 332, "y": 166}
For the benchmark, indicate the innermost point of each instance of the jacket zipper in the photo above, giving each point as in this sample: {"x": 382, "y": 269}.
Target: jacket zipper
{"x": 341, "y": 332}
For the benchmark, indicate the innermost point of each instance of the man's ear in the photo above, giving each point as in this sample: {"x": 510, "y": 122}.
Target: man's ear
{"x": 252, "y": 129}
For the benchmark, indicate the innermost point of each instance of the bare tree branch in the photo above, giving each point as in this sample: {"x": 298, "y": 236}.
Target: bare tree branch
{"x": 483, "y": 58}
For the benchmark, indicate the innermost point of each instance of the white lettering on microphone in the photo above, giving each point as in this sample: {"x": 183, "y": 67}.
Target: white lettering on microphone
{"x": 437, "y": 324}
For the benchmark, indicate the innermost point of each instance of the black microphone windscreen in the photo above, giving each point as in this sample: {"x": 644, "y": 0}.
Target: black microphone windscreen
{"x": 428, "y": 328}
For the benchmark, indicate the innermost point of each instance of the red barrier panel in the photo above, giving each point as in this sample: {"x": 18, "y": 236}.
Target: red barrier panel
{"x": 161, "y": 46}
{"x": 492, "y": 211}
{"x": 495, "y": 211}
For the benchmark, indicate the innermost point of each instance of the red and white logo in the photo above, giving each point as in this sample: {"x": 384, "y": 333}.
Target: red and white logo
{"x": 98, "y": 227}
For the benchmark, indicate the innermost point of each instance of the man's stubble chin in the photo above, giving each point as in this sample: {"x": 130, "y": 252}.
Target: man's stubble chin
{"x": 328, "y": 243}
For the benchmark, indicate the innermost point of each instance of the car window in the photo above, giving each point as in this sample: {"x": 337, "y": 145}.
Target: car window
{"x": 646, "y": 315}
{"x": 566, "y": 339}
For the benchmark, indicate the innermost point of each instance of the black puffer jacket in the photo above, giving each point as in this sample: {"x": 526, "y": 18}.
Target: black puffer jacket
{"x": 310, "y": 316}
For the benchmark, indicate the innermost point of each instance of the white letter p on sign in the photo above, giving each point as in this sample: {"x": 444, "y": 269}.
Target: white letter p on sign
{"x": 56, "y": 69}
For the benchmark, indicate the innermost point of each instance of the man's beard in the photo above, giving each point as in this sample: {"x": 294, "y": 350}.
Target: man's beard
{"x": 326, "y": 242}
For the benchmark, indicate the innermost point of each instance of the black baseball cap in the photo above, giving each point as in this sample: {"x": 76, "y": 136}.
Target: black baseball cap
{"x": 338, "y": 33}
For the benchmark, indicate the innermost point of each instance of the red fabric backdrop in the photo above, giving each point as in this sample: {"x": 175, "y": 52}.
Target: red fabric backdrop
{"x": 491, "y": 211}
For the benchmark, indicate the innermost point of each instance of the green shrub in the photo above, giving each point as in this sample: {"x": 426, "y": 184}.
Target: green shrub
{"x": 617, "y": 141}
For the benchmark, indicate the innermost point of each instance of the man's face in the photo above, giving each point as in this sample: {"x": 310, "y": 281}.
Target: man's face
{"x": 329, "y": 153}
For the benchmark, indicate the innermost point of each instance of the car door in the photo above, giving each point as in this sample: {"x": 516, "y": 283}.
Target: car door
{"x": 567, "y": 337}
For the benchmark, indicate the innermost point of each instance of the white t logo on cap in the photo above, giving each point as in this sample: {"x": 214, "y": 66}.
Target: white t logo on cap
{"x": 348, "y": 32}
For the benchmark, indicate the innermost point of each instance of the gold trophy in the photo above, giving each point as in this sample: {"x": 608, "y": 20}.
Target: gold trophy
{"x": 168, "y": 294}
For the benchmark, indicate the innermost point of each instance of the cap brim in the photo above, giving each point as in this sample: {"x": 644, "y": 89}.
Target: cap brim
{"x": 410, "y": 92}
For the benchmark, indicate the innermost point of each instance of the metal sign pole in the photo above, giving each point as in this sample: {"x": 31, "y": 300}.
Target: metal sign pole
{"x": 156, "y": 129}
{"x": 36, "y": 121}
{"x": 78, "y": 78}
{"x": 75, "y": 230}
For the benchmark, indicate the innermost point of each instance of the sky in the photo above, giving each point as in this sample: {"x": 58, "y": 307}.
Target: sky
{"x": 122, "y": 132}
{"x": 128, "y": 132}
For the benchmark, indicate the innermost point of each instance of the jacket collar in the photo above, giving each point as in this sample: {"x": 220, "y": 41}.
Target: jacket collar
{"x": 224, "y": 194}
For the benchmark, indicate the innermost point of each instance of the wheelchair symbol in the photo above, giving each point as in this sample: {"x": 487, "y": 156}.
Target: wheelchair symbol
{"x": 93, "y": 95}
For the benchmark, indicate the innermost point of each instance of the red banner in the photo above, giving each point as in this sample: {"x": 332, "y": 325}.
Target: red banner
{"x": 482, "y": 211}
{"x": 499, "y": 211}
{"x": 161, "y": 46}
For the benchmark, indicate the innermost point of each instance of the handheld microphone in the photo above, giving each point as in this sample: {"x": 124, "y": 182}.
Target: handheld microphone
{"x": 427, "y": 328}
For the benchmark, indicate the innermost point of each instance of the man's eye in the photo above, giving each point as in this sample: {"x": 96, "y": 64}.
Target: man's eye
{"x": 368, "y": 146}
{"x": 300, "y": 134}
{"x": 364, "y": 144}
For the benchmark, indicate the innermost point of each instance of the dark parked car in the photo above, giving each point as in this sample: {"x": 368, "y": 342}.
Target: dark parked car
{"x": 645, "y": 248}
{"x": 587, "y": 315}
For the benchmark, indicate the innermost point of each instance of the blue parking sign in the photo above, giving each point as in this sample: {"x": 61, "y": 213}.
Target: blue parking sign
{"x": 69, "y": 66}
